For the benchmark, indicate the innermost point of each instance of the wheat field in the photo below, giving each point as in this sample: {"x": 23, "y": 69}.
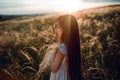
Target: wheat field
{"x": 26, "y": 44}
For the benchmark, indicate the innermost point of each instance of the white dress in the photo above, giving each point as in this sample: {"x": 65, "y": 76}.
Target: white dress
{"x": 61, "y": 74}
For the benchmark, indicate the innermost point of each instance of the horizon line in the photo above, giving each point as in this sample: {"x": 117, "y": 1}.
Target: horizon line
{"x": 42, "y": 12}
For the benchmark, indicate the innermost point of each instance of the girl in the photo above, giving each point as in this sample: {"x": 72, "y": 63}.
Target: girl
{"x": 66, "y": 63}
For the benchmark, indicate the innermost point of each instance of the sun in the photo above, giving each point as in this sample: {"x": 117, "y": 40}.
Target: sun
{"x": 71, "y": 5}
{"x": 55, "y": 5}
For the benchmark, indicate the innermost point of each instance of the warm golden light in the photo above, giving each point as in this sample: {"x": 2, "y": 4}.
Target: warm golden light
{"x": 70, "y": 5}
{"x": 57, "y": 5}
{"x": 47, "y": 6}
{"x": 67, "y": 6}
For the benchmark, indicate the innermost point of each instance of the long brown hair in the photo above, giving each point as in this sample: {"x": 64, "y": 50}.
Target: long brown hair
{"x": 71, "y": 39}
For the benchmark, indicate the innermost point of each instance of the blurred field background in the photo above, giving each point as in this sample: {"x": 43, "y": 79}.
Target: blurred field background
{"x": 26, "y": 44}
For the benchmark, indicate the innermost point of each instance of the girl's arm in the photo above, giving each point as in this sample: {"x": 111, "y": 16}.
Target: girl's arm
{"x": 57, "y": 61}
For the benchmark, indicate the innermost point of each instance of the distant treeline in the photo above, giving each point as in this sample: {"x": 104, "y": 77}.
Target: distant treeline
{"x": 8, "y": 17}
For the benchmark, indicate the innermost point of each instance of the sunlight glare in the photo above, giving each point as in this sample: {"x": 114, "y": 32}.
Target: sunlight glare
{"x": 70, "y": 5}
{"x": 57, "y": 5}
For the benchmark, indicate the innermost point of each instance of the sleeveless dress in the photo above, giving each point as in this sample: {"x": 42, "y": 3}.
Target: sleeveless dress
{"x": 61, "y": 74}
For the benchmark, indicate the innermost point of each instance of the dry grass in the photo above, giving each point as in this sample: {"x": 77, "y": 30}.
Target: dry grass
{"x": 25, "y": 45}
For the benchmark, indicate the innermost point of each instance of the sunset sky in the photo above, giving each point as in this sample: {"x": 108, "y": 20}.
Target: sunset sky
{"x": 48, "y": 6}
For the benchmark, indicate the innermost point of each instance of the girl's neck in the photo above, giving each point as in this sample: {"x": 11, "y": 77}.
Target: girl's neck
{"x": 59, "y": 42}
